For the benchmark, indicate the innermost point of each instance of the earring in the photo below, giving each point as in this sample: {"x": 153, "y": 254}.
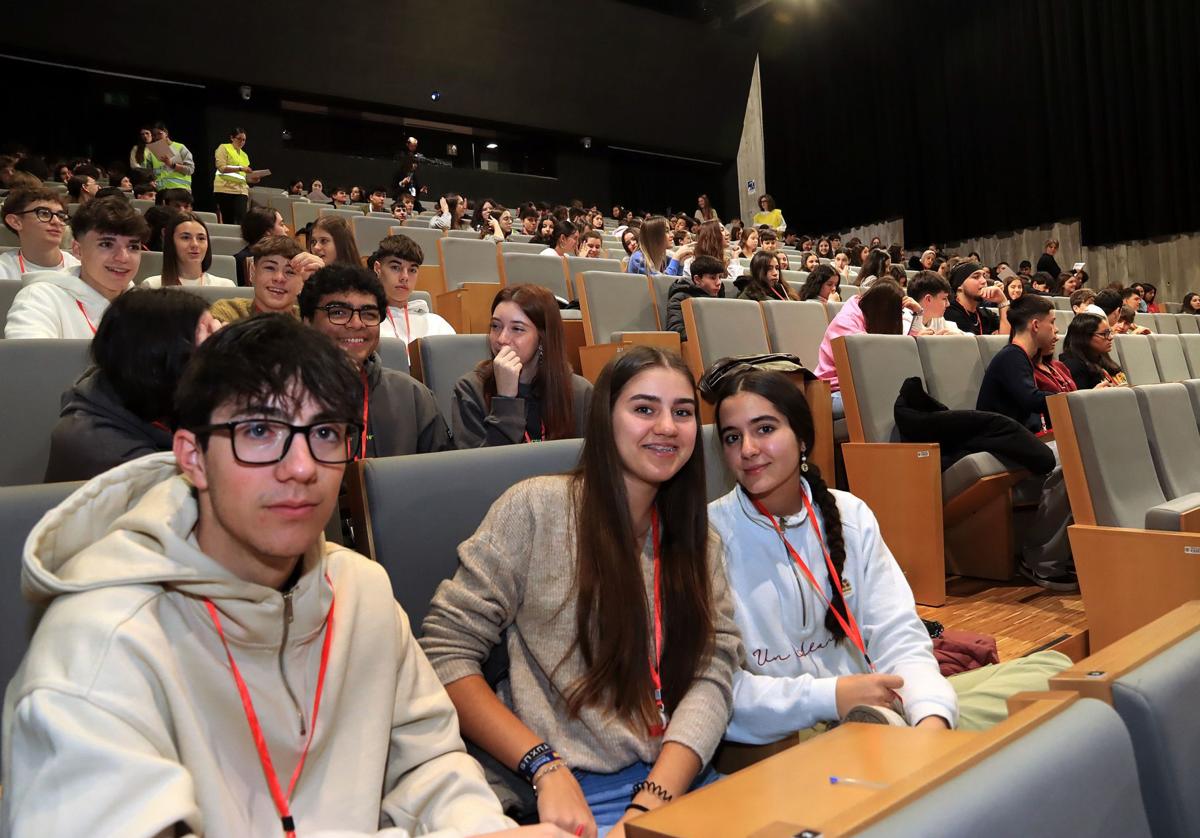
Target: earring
{"x": 804, "y": 462}
{"x": 541, "y": 352}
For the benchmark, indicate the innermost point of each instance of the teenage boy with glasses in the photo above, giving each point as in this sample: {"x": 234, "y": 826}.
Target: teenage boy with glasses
{"x": 209, "y": 664}
{"x": 399, "y": 414}
{"x": 39, "y": 219}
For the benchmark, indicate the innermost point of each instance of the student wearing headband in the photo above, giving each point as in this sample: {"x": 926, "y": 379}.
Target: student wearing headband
{"x": 968, "y": 281}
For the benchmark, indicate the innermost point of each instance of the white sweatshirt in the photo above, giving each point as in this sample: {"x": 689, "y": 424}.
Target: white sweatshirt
{"x": 787, "y": 681}
{"x": 13, "y": 264}
{"x": 420, "y": 319}
{"x": 55, "y": 304}
{"x": 209, "y": 280}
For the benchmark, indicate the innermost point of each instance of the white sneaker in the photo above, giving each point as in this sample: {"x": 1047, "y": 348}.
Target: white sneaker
{"x": 875, "y": 715}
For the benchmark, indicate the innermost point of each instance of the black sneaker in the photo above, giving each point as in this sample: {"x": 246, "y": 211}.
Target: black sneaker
{"x": 1067, "y": 583}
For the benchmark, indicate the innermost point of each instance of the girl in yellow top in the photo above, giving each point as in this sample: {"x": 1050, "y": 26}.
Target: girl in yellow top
{"x": 231, "y": 186}
{"x": 769, "y": 215}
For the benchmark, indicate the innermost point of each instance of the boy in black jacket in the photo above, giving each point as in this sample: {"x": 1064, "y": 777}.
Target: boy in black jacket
{"x": 706, "y": 281}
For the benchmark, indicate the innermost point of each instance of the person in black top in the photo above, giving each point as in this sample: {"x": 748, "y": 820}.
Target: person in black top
{"x": 1008, "y": 386}
{"x": 1086, "y": 351}
{"x": 969, "y": 283}
{"x": 407, "y": 179}
{"x": 1046, "y": 262}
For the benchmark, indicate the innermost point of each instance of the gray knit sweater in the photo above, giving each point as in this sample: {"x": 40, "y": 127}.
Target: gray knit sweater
{"x": 516, "y": 580}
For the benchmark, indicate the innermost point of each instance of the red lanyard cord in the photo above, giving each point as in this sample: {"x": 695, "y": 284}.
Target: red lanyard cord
{"x": 362, "y": 449}
{"x": 656, "y": 659}
{"x": 848, "y": 623}
{"x": 282, "y": 804}
{"x": 83, "y": 311}
{"x": 542, "y": 438}
{"x": 407, "y": 325}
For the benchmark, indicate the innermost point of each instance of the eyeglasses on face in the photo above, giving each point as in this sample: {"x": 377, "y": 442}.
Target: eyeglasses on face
{"x": 259, "y": 442}
{"x": 340, "y": 314}
{"x": 44, "y": 214}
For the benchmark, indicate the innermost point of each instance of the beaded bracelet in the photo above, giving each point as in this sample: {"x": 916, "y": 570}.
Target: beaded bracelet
{"x": 547, "y": 769}
{"x": 655, "y": 789}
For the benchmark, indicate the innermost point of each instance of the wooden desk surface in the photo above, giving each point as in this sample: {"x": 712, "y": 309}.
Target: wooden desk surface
{"x": 790, "y": 792}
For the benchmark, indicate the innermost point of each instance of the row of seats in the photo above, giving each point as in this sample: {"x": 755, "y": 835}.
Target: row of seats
{"x": 1169, "y": 324}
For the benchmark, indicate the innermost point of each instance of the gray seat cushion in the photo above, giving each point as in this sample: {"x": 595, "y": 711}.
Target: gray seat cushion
{"x": 1073, "y": 775}
{"x": 1165, "y": 516}
{"x": 1157, "y": 702}
{"x": 968, "y": 471}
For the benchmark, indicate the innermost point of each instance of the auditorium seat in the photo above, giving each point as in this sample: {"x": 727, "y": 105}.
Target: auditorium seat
{"x": 618, "y": 310}
{"x": 550, "y": 272}
{"x": 796, "y": 328}
{"x": 833, "y": 309}
{"x": 578, "y": 264}
{"x": 340, "y": 212}
{"x": 660, "y": 286}
{"x": 212, "y": 293}
{"x": 208, "y": 217}
{"x": 302, "y": 214}
{"x": 141, "y": 204}
{"x": 720, "y": 329}
{"x": 440, "y": 360}
{"x": 412, "y": 512}
{"x": 33, "y": 376}
{"x": 848, "y": 291}
{"x": 521, "y": 238}
{"x": 1188, "y": 324}
{"x": 1174, "y": 439}
{"x": 468, "y": 260}
{"x": 463, "y": 234}
{"x": 1190, "y": 344}
{"x": 953, "y": 369}
{"x": 21, "y": 507}
{"x": 1146, "y": 321}
{"x": 225, "y": 246}
{"x": 1149, "y": 676}
{"x": 521, "y": 247}
{"x": 151, "y": 265}
{"x": 990, "y": 346}
{"x": 1169, "y": 359}
{"x": 1062, "y": 303}
{"x": 1166, "y": 324}
{"x": 1074, "y": 774}
{"x": 369, "y": 231}
{"x": 1136, "y": 358}
{"x": 393, "y": 352}
{"x": 229, "y": 231}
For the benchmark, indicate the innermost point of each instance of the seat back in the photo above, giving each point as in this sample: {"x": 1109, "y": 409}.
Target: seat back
{"x": 719, "y": 481}
{"x": 877, "y": 366}
{"x": 1117, "y": 465}
{"x": 393, "y": 352}
{"x": 33, "y": 376}
{"x": 8, "y": 293}
{"x": 415, "y": 533}
{"x": 462, "y": 234}
{"x": 302, "y": 213}
{"x": 1173, "y": 435}
{"x": 426, "y": 237}
{"x": 213, "y": 293}
{"x": 206, "y": 216}
{"x": 724, "y": 328}
{"x": 1062, "y": 303}
{"x": 341, "y": 212}
{"x": 1166, "y": 324}
{"x": 1137, "y": 359}
{"x": 468, "y": 260}
{"x": 444, "y": 359}
{"x": 615, "y": 302}
{"x": 226, "y": 231}
{"x": 660, "y": 286}
{"x": 369, "y": 231}
{"x": 1086, "y": 743}
{"x": 1169, "y": 359}
{"x": 21, "y": 507}
{"x": 797, "y": 328}
{"x": 953, "y": 369}
{"x": 1157, "y": 701}
{"x": 1187, "y": 324}
{"x": 511, "y": 246}
{"x": 225, "y": 246}
{"x": 578, "y": 264}
{"x": 990, "y": 346}
{"x": 1190, "y": 344}
{"x": 550, "y": 272}
{"x": 151, "y": 265}
{"x": 1146, "y": 320}
{"x": 833, "y": 309}
{"x": 848, "y": 291}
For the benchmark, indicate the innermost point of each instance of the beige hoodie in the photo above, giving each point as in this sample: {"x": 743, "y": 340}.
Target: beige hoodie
{"x": 124, "y": 719}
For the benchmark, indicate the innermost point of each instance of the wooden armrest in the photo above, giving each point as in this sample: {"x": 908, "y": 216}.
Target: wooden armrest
{"x": 468, "y": 308}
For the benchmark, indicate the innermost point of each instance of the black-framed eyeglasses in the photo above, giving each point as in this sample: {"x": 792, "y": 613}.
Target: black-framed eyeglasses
{"x": 260, "y": 442}
{"x": 44, "y": 214}
{"x": 340, "y": 315}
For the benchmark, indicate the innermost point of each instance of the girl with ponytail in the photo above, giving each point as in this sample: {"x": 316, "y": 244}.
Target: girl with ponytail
{"x": 827, "y": 619}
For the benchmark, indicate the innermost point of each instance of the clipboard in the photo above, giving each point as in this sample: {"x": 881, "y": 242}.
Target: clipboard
{"x": 159, "y": 148}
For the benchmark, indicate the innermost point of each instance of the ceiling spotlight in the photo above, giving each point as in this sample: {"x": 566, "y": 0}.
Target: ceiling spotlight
{"x": 435, "y": 95}
{"x": 492, "y": 146}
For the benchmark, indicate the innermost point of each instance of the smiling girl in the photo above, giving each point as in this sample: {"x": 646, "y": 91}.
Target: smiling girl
{"x": 186, "y": 255}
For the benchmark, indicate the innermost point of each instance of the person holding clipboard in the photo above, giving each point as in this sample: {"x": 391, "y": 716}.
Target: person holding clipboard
{"x": 231, "y": 185}
{"x": 172, "y": 164}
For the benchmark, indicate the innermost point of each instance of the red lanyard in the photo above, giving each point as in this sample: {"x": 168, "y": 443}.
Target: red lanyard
{"x": 656, "y": 659}
{"x": 407, "y": 325}
{"x": 848, "y": 623}
{"x": 540, "y": 439}
{"x": 62, "y": 260}
{"x": 282, "y": 805}
{"x": 362, "y": 451}
{"x": 83, "y": 311}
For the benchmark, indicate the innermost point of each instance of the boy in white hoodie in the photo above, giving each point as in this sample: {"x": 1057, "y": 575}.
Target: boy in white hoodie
{"x": 108, "y": 237}
{"x": 39, "y": 218}
{"x": 397, "y": 263}
{"x": 208, "y": 664}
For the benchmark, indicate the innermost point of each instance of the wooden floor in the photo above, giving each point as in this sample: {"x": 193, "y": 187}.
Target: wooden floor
{"x": 1022, "y": 617}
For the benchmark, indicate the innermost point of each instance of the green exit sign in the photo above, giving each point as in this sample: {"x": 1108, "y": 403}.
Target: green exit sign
{"x": 119, "y": 100}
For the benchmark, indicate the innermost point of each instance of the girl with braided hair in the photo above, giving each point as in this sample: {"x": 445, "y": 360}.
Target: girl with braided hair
{"x": 817, "y": 652}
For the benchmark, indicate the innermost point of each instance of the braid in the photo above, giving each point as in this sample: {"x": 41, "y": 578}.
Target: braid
{"x": 835, "y": 543}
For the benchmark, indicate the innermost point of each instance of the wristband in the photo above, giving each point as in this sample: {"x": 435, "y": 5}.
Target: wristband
{"x": 533, "y": 753}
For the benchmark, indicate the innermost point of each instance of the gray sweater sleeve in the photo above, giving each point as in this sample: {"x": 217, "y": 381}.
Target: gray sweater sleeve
{"x": 477, "y": 427}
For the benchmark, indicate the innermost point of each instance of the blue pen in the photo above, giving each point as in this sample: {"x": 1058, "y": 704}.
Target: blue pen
{"x": 850, "y": 781}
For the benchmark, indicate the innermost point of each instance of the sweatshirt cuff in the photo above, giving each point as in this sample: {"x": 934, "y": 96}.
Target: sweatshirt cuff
{"x": 455, "y": 669}
{"x": 919, "y": 710}
{"x": 823, "y": 697}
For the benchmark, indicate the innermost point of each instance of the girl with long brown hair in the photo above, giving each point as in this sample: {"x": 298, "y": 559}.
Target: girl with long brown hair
{"x": 332, "y": 240}
{"x": 526, "y": 392}
{"x": 186, "y": 255}
{"x": 654, "y": 256}
{"x": 609, "y": 594}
